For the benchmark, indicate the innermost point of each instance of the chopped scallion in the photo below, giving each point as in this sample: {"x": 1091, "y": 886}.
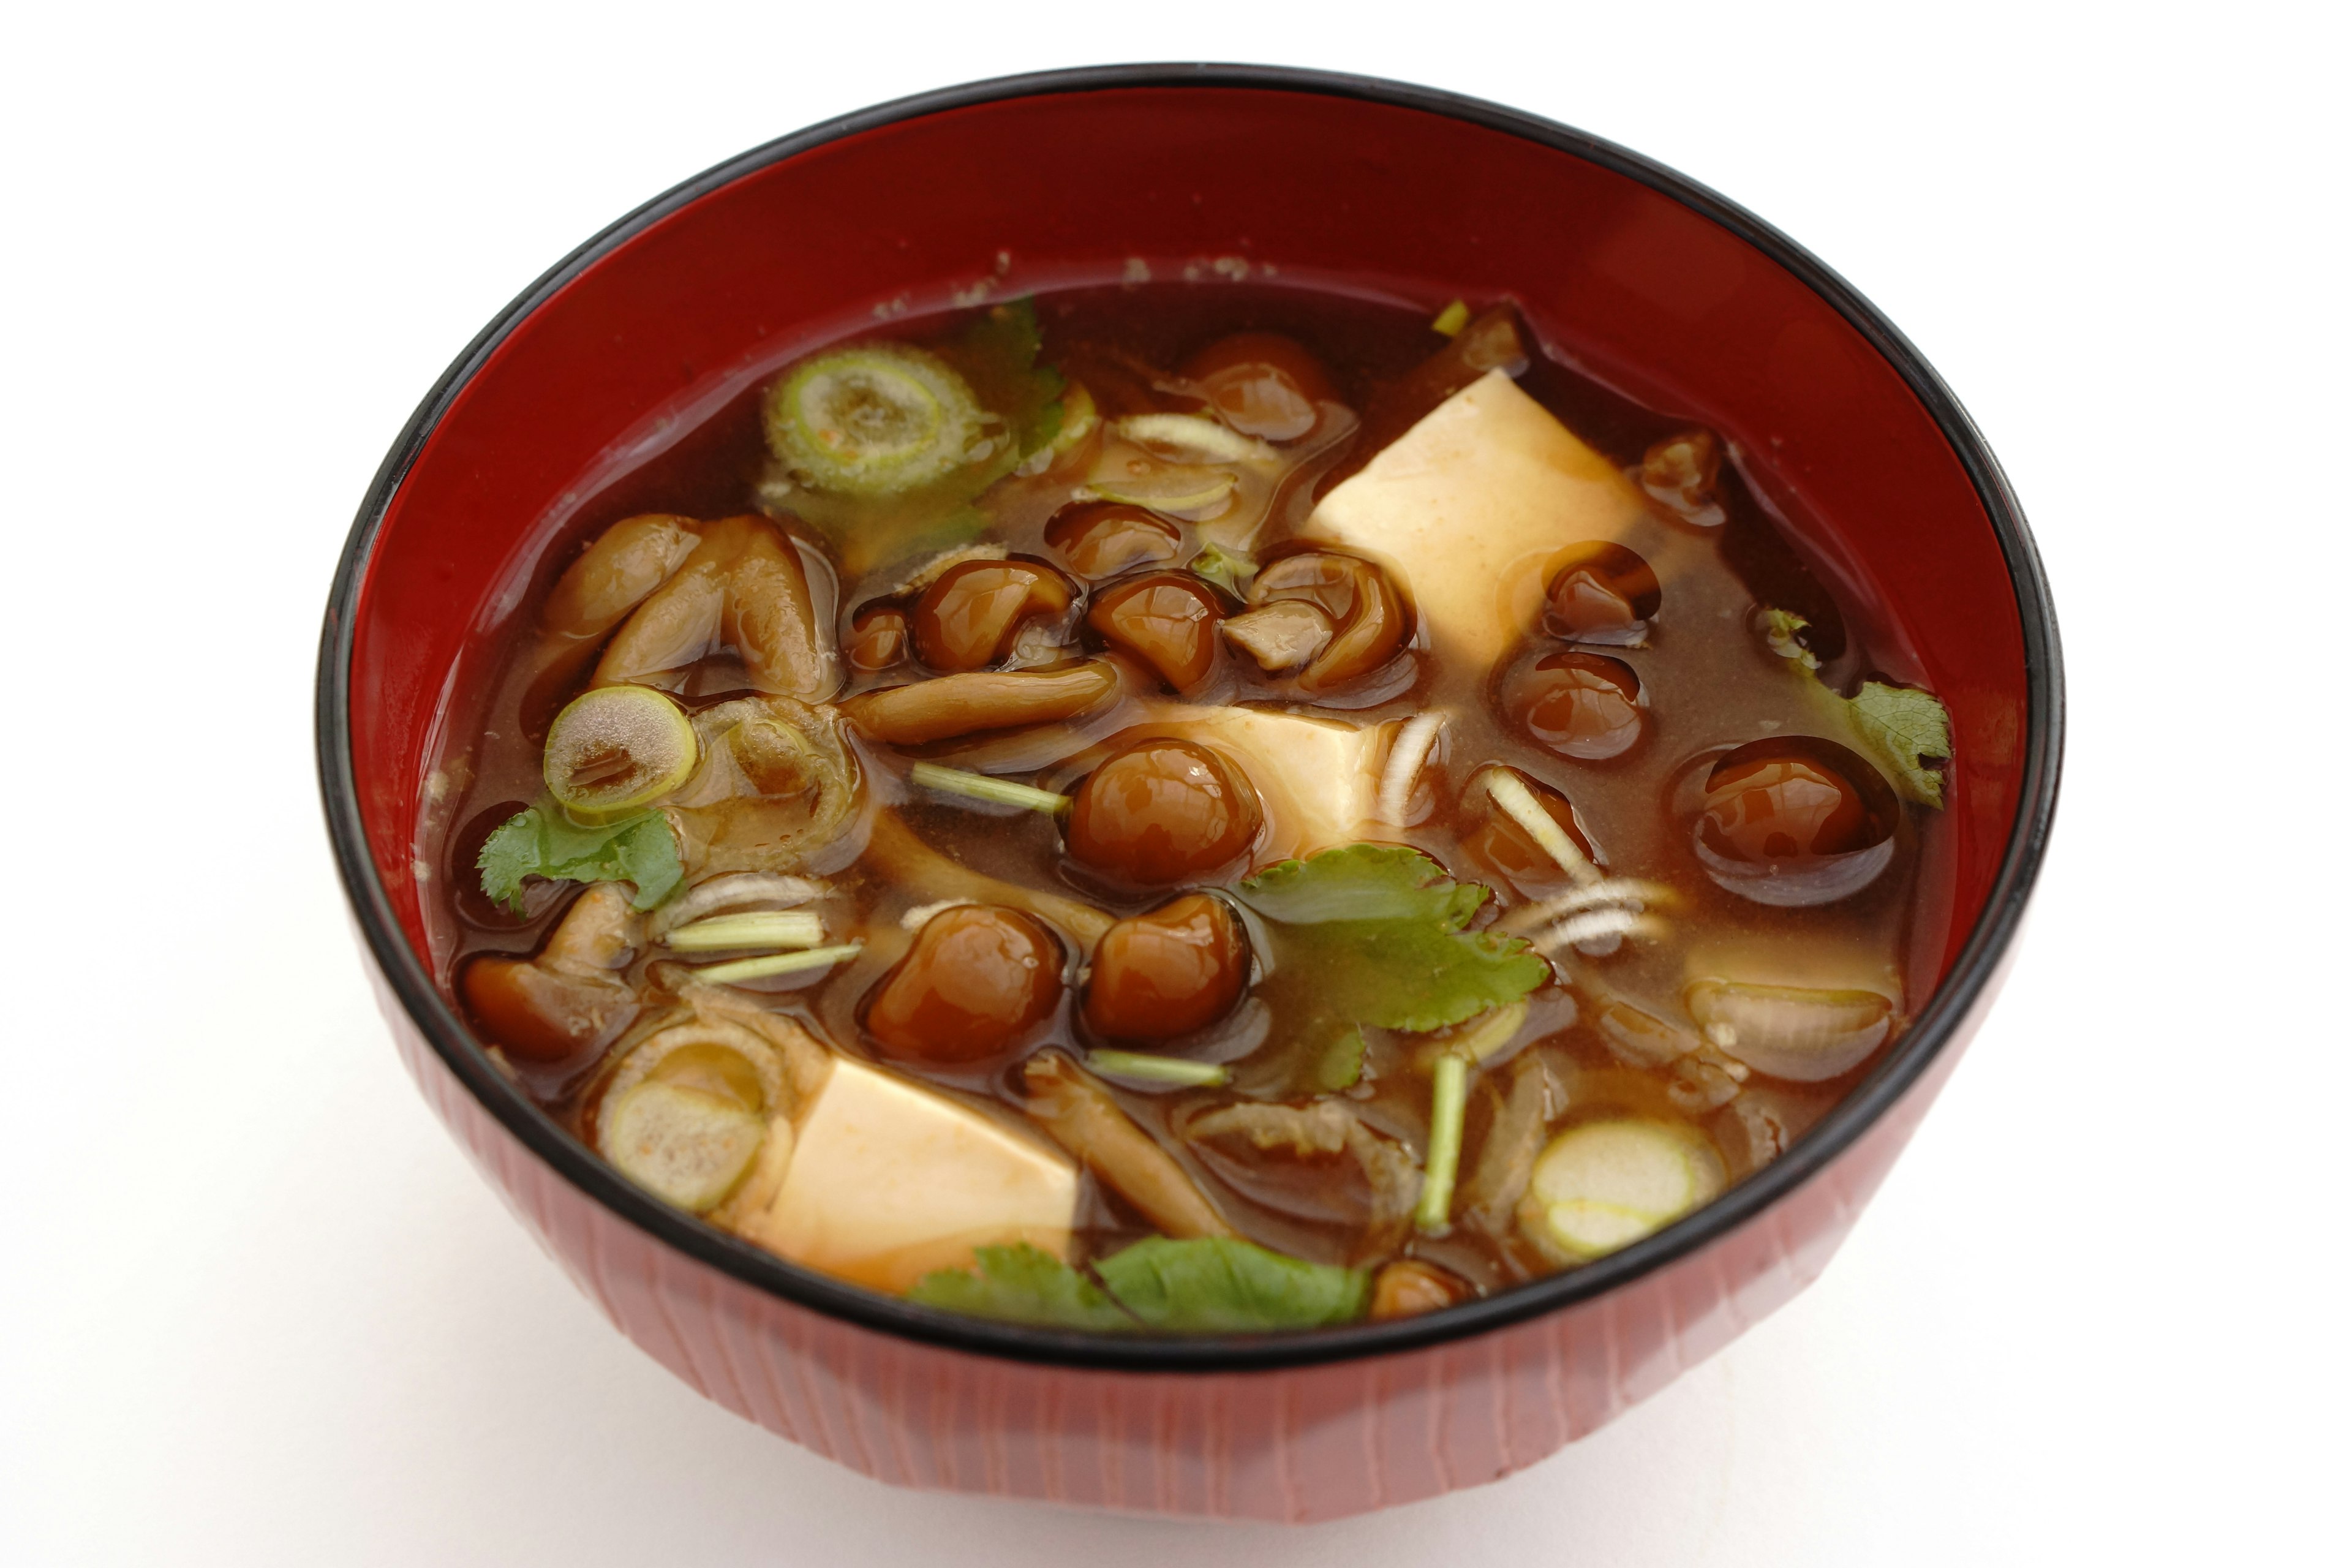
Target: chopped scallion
{"x": 1450, "y": 320}
{"x": 1158, "y": 1069}
{"x": 1594, "y": 924}
{"x": 980, "y": 786}
{"x": 744, "y": 969}
{"x": 763, "y": 928}
{"x": 1194, "y": 494}
{"x": 1407, "y": 753}
{"x": 1522, "y": 808}
{"x": 1192, "y": 437}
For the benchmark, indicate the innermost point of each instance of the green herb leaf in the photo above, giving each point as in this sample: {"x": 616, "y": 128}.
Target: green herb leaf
{"x": 1342, "y": 1063}
{"x": 1021, "y": 1285}
{"x": 1906, "y": 727}
{"x": 508, "y": 855}
{"x": 1219, "y": 1285}
{"x": 1376, "y": 931}
{"x": 997, "y": 353}
{"x": 1903, "y": 727}
{"x": 639, "y": 849}
{"x": 1209, "y": 1284}
{"x": 1047, "y": 427}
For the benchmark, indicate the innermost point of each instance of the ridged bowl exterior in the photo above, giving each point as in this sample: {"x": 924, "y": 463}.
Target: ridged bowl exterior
{"x": 1691, "y": 302}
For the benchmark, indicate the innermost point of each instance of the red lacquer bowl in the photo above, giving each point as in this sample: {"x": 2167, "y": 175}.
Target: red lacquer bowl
{"x": 1655, "y": 285}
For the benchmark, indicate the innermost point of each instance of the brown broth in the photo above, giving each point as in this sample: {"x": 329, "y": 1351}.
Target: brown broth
{"x": 1709, "y": 683}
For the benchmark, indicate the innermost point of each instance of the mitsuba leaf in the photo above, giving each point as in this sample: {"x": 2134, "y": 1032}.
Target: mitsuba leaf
{"x": 1375, "y": 933}
{"x": 508, "y": 855}
{"x": 1904, "y": 729}
{"x": 1207, "y": 1285}
{"x": 1342, "y": 1063}
{"x": 1217, "y": 1285}
{"x": 1022, "y": 1284}
{"x": 997, "y": 353}
{"x": 638, "y": 849}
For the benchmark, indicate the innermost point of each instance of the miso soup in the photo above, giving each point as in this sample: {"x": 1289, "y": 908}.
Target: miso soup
{"x": 1191, "y": 808}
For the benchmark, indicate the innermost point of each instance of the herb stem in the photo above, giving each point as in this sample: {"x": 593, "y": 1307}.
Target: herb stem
{"x": 744, "y": 969}
{"x": 1158, "y": 1069}
{"x": 764, "y": 928}
{"x": 980, "y": 786}
{"x": 1449, "y": 1101}
{"x": 1497, "y": 1030}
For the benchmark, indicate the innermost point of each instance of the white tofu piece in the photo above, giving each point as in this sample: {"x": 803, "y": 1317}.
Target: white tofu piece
{"x": 890, "y": 1180}
{"x": 1319, "y": 779}
{"x": 1471, "y": 504}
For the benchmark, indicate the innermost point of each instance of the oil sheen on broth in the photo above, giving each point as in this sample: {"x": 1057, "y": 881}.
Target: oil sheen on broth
{"x": 1185, "y": 809}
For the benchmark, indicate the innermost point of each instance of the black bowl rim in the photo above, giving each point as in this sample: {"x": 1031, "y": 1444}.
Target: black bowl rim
{"x": 1978, "y": 962}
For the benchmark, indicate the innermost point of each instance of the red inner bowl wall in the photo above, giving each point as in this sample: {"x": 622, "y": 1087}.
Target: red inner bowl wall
{"x": 1645, "y": 293}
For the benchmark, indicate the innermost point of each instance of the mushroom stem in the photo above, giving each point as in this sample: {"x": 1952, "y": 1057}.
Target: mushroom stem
{"x": 1086, "y": 1121}
{"x": 914, "y": 865}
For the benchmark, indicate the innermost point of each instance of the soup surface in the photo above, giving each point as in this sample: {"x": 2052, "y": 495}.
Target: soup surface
{"x": 1187, "y": 808}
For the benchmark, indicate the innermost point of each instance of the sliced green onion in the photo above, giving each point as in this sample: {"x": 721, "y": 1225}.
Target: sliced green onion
{"x": 764, "y": 928}
{"x": 1407, "y": 753}
{"x": 980, "y": 786}
{"x": 744, "y": 969}
{"x": 1605, "y": 1184}
{"x": 1450, "y": 320}
{"x": 614, "y": 749}
{"x": 1158, "y": 1069}
{"x": 687, "y": 1147}
{"x": 876, "y": 420}
{"x": 1190, "y": 436}
{"x": 1192, "y": 494}
{"x": 1523, "y": 808}
{"x": 1448, "y": 1101}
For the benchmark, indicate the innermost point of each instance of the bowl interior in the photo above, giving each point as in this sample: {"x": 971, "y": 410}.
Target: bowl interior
{"x": 682, "y": 305}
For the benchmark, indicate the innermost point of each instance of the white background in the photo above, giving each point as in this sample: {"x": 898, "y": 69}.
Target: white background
{"x": 256, "y": 1309}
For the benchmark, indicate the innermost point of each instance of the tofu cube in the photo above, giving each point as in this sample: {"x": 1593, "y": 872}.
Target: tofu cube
{"x": 1471, "y": 504}
{"x": 888, "y": 1181}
